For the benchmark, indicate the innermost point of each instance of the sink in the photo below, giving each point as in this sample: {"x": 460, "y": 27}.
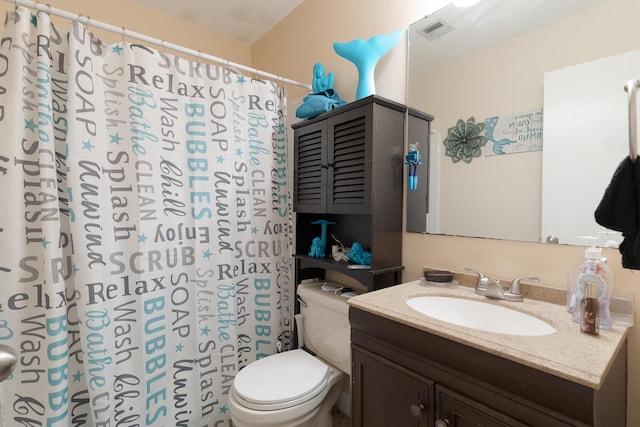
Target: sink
{"x": 480, "y": 315}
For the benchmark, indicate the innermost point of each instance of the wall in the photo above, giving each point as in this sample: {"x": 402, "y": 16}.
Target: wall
{"x": 141, "y": 19}
{"x": 306, "y": 37}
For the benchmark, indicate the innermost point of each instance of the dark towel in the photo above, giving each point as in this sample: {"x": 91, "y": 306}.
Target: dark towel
{"x": 619, "y": 210}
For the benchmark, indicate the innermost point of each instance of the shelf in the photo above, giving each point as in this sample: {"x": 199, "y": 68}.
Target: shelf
{"x": 371, "y": 278}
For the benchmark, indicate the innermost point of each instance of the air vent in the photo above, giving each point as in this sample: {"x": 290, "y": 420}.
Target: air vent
{"x": 436, "y": 29}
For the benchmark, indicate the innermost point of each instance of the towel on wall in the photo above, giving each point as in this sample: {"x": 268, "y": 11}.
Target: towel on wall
{"x": 619, "y": 210}
{"x": 316, "y": 103}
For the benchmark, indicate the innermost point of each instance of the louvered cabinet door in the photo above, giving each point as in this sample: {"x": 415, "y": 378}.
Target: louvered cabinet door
{"x": 310, "y": 172}
{"x": 349, "y": 162}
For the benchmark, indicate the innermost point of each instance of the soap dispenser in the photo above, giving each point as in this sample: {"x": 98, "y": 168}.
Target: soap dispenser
{"x": 592, "y": 272}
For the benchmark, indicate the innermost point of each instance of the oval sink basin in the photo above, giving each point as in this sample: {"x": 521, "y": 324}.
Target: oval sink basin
{"x": 480, "y": 315}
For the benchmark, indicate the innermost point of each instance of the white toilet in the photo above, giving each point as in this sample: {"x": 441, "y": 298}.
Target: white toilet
{"x": 294, "y": 388}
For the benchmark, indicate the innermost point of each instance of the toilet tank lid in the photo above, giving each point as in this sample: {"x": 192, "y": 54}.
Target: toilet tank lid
{"x": 312, "y": 291}
{"x": 281, "y": 378}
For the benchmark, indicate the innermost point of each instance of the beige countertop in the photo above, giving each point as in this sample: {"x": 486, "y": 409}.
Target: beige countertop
{"x": 567, "y": 353}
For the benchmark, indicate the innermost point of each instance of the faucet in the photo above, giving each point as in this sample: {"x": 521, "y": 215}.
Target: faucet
{"x": 491, "y": 288}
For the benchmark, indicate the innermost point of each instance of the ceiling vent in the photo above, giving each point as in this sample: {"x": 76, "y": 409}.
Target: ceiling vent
{"x": 436, "y": 29}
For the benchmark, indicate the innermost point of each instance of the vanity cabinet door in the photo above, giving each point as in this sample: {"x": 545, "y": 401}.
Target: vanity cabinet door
{"x": 386, "y": 394}
{"x": 456, "y": 410}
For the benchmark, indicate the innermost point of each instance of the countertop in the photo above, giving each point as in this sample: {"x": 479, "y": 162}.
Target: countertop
{"x": 567, "y": 353}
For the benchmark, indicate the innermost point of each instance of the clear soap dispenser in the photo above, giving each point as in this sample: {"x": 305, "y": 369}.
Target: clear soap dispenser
{"x": 592, "y": 272}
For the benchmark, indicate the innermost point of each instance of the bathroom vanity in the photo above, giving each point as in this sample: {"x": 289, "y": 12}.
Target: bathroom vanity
{"x": 409, "y": 369}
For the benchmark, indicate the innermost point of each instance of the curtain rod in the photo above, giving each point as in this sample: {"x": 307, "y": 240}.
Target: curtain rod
{"x": 132, "y": 34}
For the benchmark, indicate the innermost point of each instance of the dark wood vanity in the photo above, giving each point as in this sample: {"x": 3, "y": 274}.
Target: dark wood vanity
{"x": 404, "y": 376}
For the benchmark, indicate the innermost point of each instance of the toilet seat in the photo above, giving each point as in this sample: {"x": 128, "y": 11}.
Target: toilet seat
{"x": 281, "y": 381}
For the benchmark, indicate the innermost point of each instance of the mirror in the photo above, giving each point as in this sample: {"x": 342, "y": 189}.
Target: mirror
{"x": 529, "y": 71}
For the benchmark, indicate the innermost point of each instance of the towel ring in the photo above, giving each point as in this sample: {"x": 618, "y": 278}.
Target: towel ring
{"x": 631, "y": 87}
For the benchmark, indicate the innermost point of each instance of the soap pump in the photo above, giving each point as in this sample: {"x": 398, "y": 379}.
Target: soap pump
{"x": 594, "y": 272}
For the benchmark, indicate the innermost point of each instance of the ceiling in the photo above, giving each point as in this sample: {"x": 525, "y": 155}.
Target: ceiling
{"x": 243, "y": 20}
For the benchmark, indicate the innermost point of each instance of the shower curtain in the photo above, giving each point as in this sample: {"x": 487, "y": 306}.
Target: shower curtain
{"x": 145, "y": 229}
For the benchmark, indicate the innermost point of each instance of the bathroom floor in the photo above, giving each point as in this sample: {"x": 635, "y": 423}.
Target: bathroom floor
{"x": 340, "y": 419}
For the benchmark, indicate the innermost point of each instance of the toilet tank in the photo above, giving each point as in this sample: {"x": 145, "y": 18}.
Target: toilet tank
{"x": 326, "y": 329}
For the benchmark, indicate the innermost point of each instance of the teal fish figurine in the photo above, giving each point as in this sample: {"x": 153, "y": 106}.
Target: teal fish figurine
{"x": 365, "y": 55}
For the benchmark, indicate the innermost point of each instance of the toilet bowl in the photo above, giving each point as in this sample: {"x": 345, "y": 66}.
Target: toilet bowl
{"x": 296, "y": 388}
{"x": 287, "y": 389}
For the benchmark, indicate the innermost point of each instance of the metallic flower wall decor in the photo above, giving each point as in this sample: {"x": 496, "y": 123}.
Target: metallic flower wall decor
{"x": 464, "y": 141}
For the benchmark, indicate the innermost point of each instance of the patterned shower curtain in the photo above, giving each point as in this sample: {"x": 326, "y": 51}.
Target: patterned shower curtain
{"x": 145, "y": 229}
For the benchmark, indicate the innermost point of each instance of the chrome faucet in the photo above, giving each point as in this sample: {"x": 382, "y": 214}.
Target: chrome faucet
{"x": 491, "y": 288}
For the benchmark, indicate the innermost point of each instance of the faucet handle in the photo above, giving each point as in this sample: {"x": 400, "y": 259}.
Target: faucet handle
{"x": 515, "y": 284}
{"x": 482, "y": 279}
{"x": 482, "y": 283}
{"x": 480, "y": 275}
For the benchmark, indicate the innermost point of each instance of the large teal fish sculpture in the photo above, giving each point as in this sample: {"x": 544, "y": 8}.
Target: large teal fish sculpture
{"x": 365, "y": 55}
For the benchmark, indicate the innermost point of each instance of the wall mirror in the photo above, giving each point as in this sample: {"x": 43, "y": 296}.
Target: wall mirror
{"x": 546, "y": 80}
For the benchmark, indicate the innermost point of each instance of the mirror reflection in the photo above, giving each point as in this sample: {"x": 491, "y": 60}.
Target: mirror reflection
{"x": 545, "y": 80}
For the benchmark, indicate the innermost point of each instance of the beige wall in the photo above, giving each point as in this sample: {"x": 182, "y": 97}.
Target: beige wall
{"x": 141, "y": 19}
{"x": 308, "y": 34}
{"x": 306, "y": 37}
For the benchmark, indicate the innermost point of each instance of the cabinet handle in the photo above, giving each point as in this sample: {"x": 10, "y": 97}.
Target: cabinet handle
{"x": 417, "y": 410}
{"x": 442, "y": 423}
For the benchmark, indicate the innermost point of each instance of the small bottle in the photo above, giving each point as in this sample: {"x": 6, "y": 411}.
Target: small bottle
{"x": 593, "y": 269}
{"x": 590, "y": 309}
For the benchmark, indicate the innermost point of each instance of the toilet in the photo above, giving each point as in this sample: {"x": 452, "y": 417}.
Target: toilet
{"x": 295, "y": 388}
